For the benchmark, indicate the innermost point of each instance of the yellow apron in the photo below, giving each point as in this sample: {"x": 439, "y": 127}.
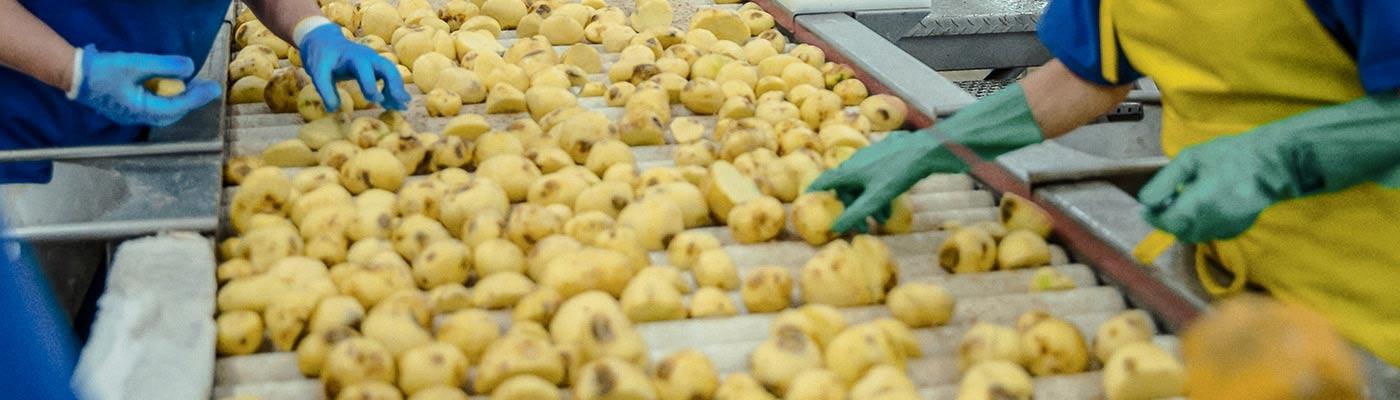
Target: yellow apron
{"x": 1225, "y": 67}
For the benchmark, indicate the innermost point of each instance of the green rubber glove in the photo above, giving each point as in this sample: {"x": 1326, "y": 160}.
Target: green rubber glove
{"x": 1215, "y": 190}
{"x": 875, "y": 175}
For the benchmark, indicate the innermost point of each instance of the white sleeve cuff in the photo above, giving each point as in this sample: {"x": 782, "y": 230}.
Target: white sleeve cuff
{"x": 305, "y": 26}
{"x": 76, "y": 83}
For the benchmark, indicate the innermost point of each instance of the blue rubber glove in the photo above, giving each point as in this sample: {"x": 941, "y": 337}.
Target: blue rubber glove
{"x": 329, "y": 57}
{"x": 113, "y": 83}
{"x": 1216, "y": 190}
{"x": 876, "y": 175}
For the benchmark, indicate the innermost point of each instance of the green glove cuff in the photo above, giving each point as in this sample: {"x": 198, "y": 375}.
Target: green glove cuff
{"x": 1337, "y": 147}
{"x": 994, "y": 125}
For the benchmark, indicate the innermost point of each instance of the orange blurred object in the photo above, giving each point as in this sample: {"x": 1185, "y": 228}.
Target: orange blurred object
{"x": 1254, "y": 347}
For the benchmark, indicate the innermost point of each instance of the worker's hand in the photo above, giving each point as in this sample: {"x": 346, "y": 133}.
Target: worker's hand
{"x": 1215, "y": 190}
{"x": 876, "y": 175}
{"x": 113, "y": 83}
{"x": 329, "y": 57}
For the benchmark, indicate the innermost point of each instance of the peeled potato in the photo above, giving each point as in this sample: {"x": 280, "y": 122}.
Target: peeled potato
{"x": 987, "y": 342}
{"x": 1143, "y": 371}
{"x": 1120, "y": 331}
{"x": 921, "y": 304}
{"x": 239, "y": 332}
{"x": 767, "y": 289}
{"x": 997, "y": 379}
{"x": 711, "y": 302}
{"x": 886, "y": 113}
{"x": 968, "y": 250}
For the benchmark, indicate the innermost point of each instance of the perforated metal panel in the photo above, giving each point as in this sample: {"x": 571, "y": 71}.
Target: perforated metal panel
{"x": 984, "y": 88}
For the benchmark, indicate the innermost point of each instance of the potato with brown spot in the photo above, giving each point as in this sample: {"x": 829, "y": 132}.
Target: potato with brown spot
{"x": 782, "y": 357}
{"x": 987, "y": 342}
{"x": 684, "y": 375}
{"x": 430, "y": 365}
{"x": 996, "y": 380}
{"x": 525, "y": 350}
{"x": 767, "y": 289}
{"x": 714, "y": 268}
{"x": 708, "y": 302}
{"x": 357, "y": 360}
{"x": 472, "y": 331}
{"x": 239, "y": 332}
{"x": 612, "y": 378}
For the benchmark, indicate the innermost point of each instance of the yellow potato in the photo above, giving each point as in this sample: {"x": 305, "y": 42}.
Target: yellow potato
{"x": 645, "y": 300}
{"x": 757, "y": 220}
{"x": 588, "y": 269}
{"x": 311, "y": 107}
{"x": 397, "y": 333}
{"x": 686, "y": 374}
{"x": 987, "y": 342}
{"x": 286, "y": 317}
{"x": 714, "y": 268}
{"x": 312, "y": 350}
{"x": 968, "y": 250}
{"x": 766, "y": 288}
{"x": 711, "y": 302}
{"x": 997, "y": 379}
{"x": 612, "y": 378}
{"x": 860, "y": 348}
{"x": 816, "y": 384}
{"x": 449, "y": 297}
{"x": 886, "y": 382}
{"x": 886, "y": 113}
{"x": 370, "y": 391}
{"x": 741, "y": 386}
{"x": 537, "y": 306}
{"x": 239, "y": 332}
{"x": 1053, "y": 346}
{"x": 1143, "y": 371}
{"x": 429, "y": 365}
{"x": 375, "y": 167}
{"x": 472, "y": 331}
{"x": 505, "y": 99}
{"x": 727, "y": 188}
{"x": 442, "y": 262}
{"x": 501, "y": 290}
{"x": 921, "y": 304}
{"x": 625, "y": 241}
{"x": 514, "y": 173}
{"x": 506, "y": 12}
{"x": 783, "y": 356}
{"x": 656, "y": 221}
{"x": 724, "y": 24}
{"x": 1022, "y": 249}
{"x": 1017, "y": 212}
{"x": 495, "y": 256}
{"x": 525, "y": 387}
{"x": 357, "y": 360}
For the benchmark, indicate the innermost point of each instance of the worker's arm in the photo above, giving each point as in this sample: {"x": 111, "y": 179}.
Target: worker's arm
{"x": 1048, "y": 103}
{"x": 282, "y": 16}
{"x": 29, "y": 46}
{"x": 1215, "y": 190}
{"x": 328, "y": 56}
{"x": 110, "y": 82}
{"x": 1061, "y": 101}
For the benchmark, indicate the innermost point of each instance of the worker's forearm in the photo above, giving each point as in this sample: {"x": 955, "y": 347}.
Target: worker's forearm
{"x": 1062, "y": 101}
{"x": 282, "y": 16}
{"x": 29, "y": 46}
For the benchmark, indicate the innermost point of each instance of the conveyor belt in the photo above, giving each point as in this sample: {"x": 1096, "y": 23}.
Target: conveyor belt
{"x": 996, "y": 296}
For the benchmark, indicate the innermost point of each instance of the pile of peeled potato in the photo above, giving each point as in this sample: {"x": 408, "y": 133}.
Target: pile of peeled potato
{"x": 380, "y": 253}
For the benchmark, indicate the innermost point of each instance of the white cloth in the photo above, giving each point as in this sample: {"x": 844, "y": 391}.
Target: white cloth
{"x": 154, "y": 334}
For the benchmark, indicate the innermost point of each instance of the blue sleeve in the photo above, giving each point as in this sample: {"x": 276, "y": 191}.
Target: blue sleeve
{"x": 1370, "y": 32}
{"x": 1070, "y": 29}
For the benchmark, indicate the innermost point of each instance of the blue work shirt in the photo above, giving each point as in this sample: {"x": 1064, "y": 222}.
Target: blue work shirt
{"x": 36, "y": 115}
